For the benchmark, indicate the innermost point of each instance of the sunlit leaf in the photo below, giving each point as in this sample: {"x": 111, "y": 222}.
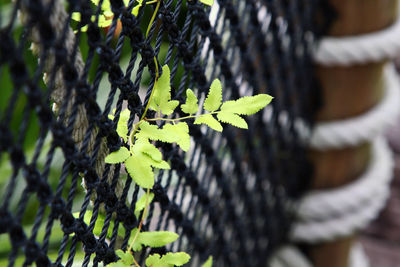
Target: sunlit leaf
{"x": 141, "y": 203}
{"x": 118, "y": 156}
{"x": 139, "y": 168}
{"x": 190, "y": 106}
{"x": 247, "y": 105}
{"x": 214, "y": 97}
{"x": 210, "y": 121}
{"x": 233, "y": 119}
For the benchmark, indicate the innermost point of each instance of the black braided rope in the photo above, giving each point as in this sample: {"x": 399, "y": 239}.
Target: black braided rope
{"x": 230, "y": 197}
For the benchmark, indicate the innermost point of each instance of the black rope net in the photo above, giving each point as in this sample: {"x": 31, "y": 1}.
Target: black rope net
{"x": 231, "y": 196}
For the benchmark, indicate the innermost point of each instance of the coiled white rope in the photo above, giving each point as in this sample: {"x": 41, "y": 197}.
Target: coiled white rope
{"x": 290, "y": 256}
{"x": 359, "y": 129}
{"x": 372, "y": 47}
{"x": 322, "y": 204}
{"x": 340, "y": 225}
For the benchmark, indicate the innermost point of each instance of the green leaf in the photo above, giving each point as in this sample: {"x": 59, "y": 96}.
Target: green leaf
{"x": 177, "y": 258}
{"x": 157, "y": 239}
{"x": 162, "y": 94}
{"x": 126, "y": 257}
{"x": 122, "y": 125}
{"x": 154, "y": 260}
{"x": 168, "y": 260}
{"x": 153, "y": 239}
{"x": 118, "y": 264}
{"x": 137, "y": 246}
{"x": 190, "y": 106}
{"x": 160, "y": 164}
{"x": 139, "y": 168}
{"x": 214, "y": 97}
{"x": 152, "y": 132}
{"x": 143, "y": 146}
{"x": 141, "y": 203}
{"x": 76, "y": 16}
{"x": 104, "y": 21}
{"x": 233, "y": 119}
{"x": 135, "y": 10}
{"x": 209, "y": 120}
{"x": 167, "y": 108}
{"x": 105, "y": 6}
{"x": 207, "y": 2}
{"x": 170, "y": 133}
{"x": 208, "y": 263}
{"x": 247, "y": 105}
{"x": 118, "y": 156}
{"x": 178, "y": 133}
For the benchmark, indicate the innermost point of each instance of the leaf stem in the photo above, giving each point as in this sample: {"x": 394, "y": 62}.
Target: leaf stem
{"x": 135, "y": 262}
{"x": 182, "y": 118}
{"x": 155, "y": 79}
{"x": 141, "y": 219}
{"x": 154, "y": 59}
{"x": 153, "y": 17}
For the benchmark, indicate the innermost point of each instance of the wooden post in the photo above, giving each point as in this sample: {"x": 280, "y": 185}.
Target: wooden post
{"x": 348, "y": 92}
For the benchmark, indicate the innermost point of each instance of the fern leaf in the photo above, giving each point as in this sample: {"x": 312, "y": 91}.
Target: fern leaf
{"x": 162, "y": 93}
{"x": 152, "y": 239}
{"x": 233, "y": 119}
{"x": 214, "y": 97}
{"x": 139, "y": 168}
{"x": 177, "y": 258}
{"x": 190, "y": 106}
{"x": 126, "y": 257}
{"x": 168, "y": 260}
{"x": 143, "y": 146}
{"x": 154, "y": 260}
{"x": 209, "y": 120}
{"x": 122, "y": 125}
{"x": 208, "y": 263}
{"x": 160, "y": 164}
{"x": 152, "y": 132}
{"x": 167, "y": 108}
{"x": 118, "y": 156}
{"x": 157, "y": 239}
{"x": 178, "y": 133}
{"x": 207, "y": 2}
{"x": 76, "y": 16}
{"x": 141, "y": 203}
{"x": 247, "y": 105}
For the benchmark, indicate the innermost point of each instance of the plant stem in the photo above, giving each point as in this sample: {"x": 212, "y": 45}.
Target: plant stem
{"x": 141, "y": 219}
{"x": 153, "y": 17}
{"x": 155, "y": 61}
{"x": 155, "y": 79}
{"x": 182, "y": 118}
{"x": 136, "y": 263}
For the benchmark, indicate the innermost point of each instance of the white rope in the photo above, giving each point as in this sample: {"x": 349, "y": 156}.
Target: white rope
{"x": 322, "y": 204}
{"x": 359, "y": 129}
{"x": 341, "y": 226}
{"x": 372, "y": 47}
{"x": 315, "y": 229}
{"x": 291, "y": 256}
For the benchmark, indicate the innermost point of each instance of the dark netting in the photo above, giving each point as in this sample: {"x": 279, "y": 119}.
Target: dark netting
{"x": 230, "y": 196}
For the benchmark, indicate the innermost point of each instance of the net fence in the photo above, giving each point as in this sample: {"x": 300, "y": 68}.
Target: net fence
{"x": 65, "y": 66}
